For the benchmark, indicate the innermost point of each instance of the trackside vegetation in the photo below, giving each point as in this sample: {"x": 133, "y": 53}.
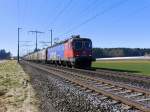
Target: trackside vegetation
{"x": 16, "y": 95}
{"x": 141, "y": 67}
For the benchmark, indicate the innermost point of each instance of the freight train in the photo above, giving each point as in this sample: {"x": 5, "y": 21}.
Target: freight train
{"x": 74, "y": 52}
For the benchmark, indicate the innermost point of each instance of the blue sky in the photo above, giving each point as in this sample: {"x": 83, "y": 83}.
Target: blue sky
{"x": 109, "y": 23}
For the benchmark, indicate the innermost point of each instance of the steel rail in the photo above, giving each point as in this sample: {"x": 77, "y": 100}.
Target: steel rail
{"x": 136, "y": 81}
{"x": 98, "y": 79}
{"x": 127, "y": 77}
{"x": 115, "y": 74}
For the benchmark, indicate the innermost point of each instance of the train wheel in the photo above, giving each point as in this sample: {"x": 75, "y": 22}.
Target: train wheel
{"x": 64, "y": 63}
{"x": 69, "y": 65}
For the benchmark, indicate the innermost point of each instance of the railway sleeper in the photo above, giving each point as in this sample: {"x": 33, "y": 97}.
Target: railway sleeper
{"x": 123, "y": 92}
{"x": 108, "y": 87}
{"x": 144, "y": 99}
{"x": 133, "y": 95}
{"x": 101, "y": 85}
{"x": 115, "y": 89}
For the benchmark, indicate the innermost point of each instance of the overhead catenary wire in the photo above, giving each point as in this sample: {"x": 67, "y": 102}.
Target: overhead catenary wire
{"x": 61, "y": 12}
{"x": 95, "y": 16}
{"x": 18, "y": 12}
{"x": 24, "y": 14}
{"x": 89, "y": 6}
{"x": 134, "y": 12}
{"x": 92, "y": 5}
{"x": 36, "y": 32}
{"x": 21, "y": 11}
{"x": 25, "y": 45}
{"x": 25, "y": 41}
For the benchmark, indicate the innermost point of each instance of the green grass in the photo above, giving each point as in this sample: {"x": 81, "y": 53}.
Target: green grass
{"x": 132, "y": 66}
{"x": 10, "y": 75}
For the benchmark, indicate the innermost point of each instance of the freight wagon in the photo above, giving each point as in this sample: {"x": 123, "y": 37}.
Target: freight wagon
{"x": 41, "y": 56}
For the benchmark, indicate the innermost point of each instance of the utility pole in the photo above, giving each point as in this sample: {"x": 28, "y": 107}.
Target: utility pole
{"x": 51, "y": 31}
{"x": 36, "y": 41}
{"x": 18, "y": 43}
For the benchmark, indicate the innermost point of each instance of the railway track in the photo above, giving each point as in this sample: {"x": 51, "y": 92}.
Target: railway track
{"x": 137, "y": 76}
{"x": 130, "y": 79}
{"x": 133, "y": 98}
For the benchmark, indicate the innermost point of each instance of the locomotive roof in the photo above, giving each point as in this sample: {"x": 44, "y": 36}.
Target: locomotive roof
{"x": 78, "y": 36}
{"x": 73, "y": 38}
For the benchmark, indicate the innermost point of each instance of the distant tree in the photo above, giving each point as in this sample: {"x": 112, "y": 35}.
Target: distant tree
{"x": 147, "y": 54}
{"x": 56, "y": 40}
{"x": 4, "y": 54}
{"x": 119, "y": 52}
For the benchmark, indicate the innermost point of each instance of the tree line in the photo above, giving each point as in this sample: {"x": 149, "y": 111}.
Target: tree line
{"x": 4, "y": 54}
{"x": 119, "y": 52}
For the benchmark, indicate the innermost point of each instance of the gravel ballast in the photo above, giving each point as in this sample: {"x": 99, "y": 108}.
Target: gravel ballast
{"x": 56, "y": 94}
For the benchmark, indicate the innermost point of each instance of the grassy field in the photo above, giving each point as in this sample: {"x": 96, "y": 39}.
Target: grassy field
{"x": 132, "y": 66}
{"x": 15, "y": 94}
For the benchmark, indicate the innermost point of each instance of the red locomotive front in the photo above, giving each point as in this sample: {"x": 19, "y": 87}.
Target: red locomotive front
{"x": 79, "y": 52}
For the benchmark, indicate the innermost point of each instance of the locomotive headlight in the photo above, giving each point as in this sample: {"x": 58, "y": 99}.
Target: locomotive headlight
{"x": 76, "y": 53}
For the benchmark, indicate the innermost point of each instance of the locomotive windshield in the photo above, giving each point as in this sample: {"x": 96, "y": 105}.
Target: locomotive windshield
{"x": 78, "y": 45}
{"x": 87, "y": 45}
